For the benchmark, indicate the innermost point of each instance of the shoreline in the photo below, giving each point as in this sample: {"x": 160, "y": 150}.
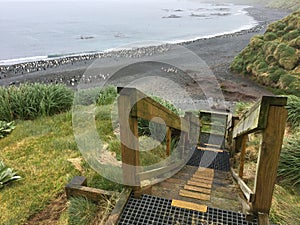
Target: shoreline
{"x": 217, "y": 52}
{"x": 94, "y": 55}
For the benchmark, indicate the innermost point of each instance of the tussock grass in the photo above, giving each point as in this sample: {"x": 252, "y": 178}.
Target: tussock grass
{"x": 29, "y": 101}
{"x": 285, "y": 206}
{"x": 293, "y": 108}
{"x": 289, "y": 165}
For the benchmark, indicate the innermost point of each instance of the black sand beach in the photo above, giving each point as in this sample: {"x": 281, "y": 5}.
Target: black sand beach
{"x": 217, "y": 52}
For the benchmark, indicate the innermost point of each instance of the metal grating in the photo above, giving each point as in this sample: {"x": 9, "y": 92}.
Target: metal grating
{"x": 210, "y": 159}
{"x": 154, "y": 210}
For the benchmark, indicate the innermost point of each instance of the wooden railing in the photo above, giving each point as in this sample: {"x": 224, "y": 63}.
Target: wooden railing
{"x": 268, "y": 116}
{"x": 133, "y": 104}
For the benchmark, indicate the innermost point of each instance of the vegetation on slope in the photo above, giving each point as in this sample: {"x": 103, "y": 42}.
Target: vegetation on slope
{"x": 273, "y": 59}
{"x": 292, "y": 5}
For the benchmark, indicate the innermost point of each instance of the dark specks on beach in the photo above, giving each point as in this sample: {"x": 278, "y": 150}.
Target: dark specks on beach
{"x": 62, "y": 70}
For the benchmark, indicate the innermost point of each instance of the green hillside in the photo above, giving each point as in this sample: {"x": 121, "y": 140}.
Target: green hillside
{"x": 292, "y": 5}
{"x": 273, "y": 59}
{"x": 284, "y": 4}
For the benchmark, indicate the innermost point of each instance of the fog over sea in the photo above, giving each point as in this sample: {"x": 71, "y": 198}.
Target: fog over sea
{"x": 34, "y": 30}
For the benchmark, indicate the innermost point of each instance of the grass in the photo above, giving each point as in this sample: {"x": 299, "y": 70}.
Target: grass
{"x": 45, "y": 154}
{"x": 285, "y": 206}
{"x": 40, "y": 150}
{"x": 29, "y": 101}
{"x": 289, "y": 166}
{"x": 81, "y": 211}
{"x": 293, "y": 108}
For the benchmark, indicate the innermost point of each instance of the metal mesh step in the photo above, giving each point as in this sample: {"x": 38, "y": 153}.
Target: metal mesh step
{"x": 210, "y": 159}
{"x": 154, "y": 210}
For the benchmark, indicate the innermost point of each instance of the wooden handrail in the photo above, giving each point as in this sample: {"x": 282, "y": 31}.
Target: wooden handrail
{"x": 256, "y": 118}
{"x": 134, "y": 104}
{"x": 268, "y": 116}
{"x": 146, "y": 108}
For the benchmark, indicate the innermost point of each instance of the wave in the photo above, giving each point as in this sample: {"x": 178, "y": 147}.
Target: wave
{"x": 8, "y": 62}
{"x": 22, "y": 60}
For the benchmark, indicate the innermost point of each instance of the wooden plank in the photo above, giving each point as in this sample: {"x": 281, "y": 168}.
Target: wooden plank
{"x": 204, "y": 176}
{"x": 118, "y": 209}
{"x": 209, "y": 149}
{"x": 268, "y": 159}
{"x": 212, "y": 124}
{"x": 197, "y": 189}
{"x": 248, "y": 193}
{"x": 195, "y": 195}
{"x": 256, "y": 117}
{"x": 195, "y": 179}
{"x": 189, "y": 205}
{"x": 93, "y": 194}
{"x": 129, "y": 139}
{"x": 206, "y": 170}
{"x": 175, "y": 166}
{"x": 200, "y": 176}
{"x": 198, "y": 184}
{"x": 151, "y": 110}
{"x": 249, "y": 123}
{"x": 242, "y": 156}
{"x": 78, "y": 180}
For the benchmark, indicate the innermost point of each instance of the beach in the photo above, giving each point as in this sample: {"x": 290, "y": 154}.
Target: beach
{"x": 217, "y": 52}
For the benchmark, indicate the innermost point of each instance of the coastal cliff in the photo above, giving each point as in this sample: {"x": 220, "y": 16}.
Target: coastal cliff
{"x": 273, "y": 59}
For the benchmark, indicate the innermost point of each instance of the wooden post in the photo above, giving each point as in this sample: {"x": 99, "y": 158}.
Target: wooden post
{"x": 242, "y": 156}
{"x": 268, "y": 158}
{"x": 263, "y": 219}
{"x": 237, "y": 144}
{"x": 129, "y": 136}
{"x": 168, "y": 141}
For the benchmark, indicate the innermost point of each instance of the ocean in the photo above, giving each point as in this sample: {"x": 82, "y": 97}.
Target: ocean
{"x": 34, "y": 30}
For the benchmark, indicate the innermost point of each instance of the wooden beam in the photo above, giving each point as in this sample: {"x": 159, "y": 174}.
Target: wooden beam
{"x": 129, "y": 137}
{"x": 268, "y": 158}
{"x": 168, "y": 141}
{"x": 256, "y": 117}
{"x": 162, "y": 170}
{"x": 118, "y": 209}
{"x": 242, "y": 156}
{"x": 209, "y": 149}
{"x": 263, "y": 219}
{"x": 250, "y": 122}
{"x": 248, "y": 193}
{"x": 93, "y": 194}
{"x": 150, "y": 110}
